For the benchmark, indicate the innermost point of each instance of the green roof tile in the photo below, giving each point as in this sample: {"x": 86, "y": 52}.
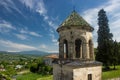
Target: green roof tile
{"x": 74, "y": 19}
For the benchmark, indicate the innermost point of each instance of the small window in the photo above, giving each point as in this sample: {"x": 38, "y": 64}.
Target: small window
{"x": 89, "y": 76}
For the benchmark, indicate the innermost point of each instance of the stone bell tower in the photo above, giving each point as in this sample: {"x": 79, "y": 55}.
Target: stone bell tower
{"x": 76, "y": 51}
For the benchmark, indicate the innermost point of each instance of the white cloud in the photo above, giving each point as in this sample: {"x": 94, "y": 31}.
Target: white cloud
{"x": 48, "y": 48}
{"x": 12, "y": 46}
{"x": 21, "y": 36}
{"x": 9, "y": 5}
{"x": 28, "y": 3}
{"x": 53, "y": 38}
{"x": 35, "y": 34}
{"x": 53, "y": 25}
{"x": 6, "y": 27}
{"x": 43, "y": 12}
{"x": 41, "y": 8}
{"x": 5, "y": 24}
{"x": 115, "y": 24}
{"x": 7, "y": 45}
{"x": 113, "y": 13}
{"x": 92, "y": 16}
{"x": 25, "y": 31}
{"x": 43, "y": 46}
{"x": 36, "y": 5}
{"x": 56, "y": 43}
{"x": 112, "y": 6}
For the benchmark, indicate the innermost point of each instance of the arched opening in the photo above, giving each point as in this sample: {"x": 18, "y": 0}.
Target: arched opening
{"x": 89, "y": 76}
{"x": 78, "y": 48}
{"x": 66, "y": 48}
{"x": 90, "y": 48}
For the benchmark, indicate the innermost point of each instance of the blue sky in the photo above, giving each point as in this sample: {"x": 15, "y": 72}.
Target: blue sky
{"x": 31, "y": 24}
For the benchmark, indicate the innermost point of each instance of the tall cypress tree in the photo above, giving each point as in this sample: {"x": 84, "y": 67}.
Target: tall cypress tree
{"x": 104, "y": 39}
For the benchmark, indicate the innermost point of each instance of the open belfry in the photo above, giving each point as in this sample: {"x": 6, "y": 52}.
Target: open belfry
{"x": 76, "y": 52}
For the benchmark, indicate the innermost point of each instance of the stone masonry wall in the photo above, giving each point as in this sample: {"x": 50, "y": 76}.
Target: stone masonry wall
{"x": 62, "y": 72}
{"x": 71, "y": 35}
{"x": 82, "y": 73}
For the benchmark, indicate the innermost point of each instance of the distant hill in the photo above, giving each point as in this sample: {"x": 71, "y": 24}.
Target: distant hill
{"x": 33, "y": 52}
{"x": 12, "y": 56}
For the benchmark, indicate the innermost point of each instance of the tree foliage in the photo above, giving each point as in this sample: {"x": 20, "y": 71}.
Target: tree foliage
{"x": 40, "y": 67}
{"x": 104, "y": 40}
{"x": 115, "y": 57}
{"x": 33, "y": 67}
{"x": 118, "y": 53}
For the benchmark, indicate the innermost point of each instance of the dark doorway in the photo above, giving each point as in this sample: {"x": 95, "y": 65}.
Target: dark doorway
{"x": 90, "y": 48}
{"x": 66, "y": 48}
{"x": 89, "y": 76}
{"x": 78, "y": 48}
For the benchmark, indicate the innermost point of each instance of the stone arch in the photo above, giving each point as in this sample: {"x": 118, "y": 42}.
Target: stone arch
{"x": 65, "y": 48}
{"x": 90, "y": 43}
{"x": 83, "y": 39}
{"x": 78, "y": 48}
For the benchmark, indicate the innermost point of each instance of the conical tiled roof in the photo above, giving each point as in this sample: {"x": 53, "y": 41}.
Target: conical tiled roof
{"x": 75, "y": 20}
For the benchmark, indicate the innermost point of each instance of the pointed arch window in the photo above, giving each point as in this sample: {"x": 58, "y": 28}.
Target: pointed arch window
{"x": 78, "y": 47}
{"x": 66, "y": 48}
{"x": 90, "y": 48}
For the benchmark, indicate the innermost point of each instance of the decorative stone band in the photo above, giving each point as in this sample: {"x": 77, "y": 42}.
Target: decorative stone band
{"x": 77, "y": 27}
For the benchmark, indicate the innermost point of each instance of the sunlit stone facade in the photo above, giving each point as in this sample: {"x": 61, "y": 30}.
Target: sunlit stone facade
{"x": 76, "y": 51}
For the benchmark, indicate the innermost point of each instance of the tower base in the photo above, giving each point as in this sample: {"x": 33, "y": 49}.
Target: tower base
{"x": 76, "y": 70}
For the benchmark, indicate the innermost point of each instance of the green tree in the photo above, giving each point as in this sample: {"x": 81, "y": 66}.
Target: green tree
{"x": 104, "y": 40}
{"x": 115, "y": 54}
{"x": 118, "y": 53}
{"x": 48, "y": 69}
{"x": 34, "y": 68}
{"x": 40, "y": 67}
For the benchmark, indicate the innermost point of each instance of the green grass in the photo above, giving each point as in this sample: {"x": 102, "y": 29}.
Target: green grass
{"x": 46, "y": 78}
{"x": 33, "y": 76}
{"x": 105, "y": 75}
{"x": 111, "y": 74}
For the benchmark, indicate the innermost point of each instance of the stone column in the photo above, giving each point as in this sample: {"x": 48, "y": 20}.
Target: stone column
{"x": 61, "y": 50}
{"x": 81, "y": 51}
{"x": 70, "y": 49}
{"x": 91, "y": 51}
{"x": 73, "y": 49}
{"x": 85, "y": 51}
